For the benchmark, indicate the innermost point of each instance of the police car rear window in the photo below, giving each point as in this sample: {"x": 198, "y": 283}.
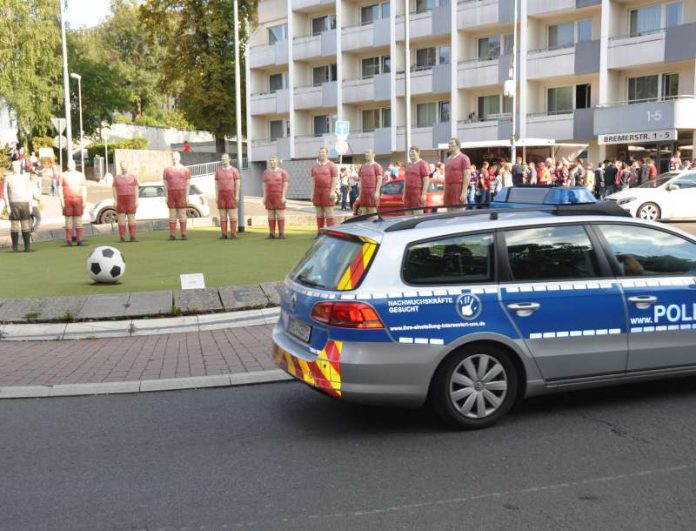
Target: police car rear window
{"x": 327, "y": 264}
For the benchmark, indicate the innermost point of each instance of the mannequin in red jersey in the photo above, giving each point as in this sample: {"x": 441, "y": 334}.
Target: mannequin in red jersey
{"x": 177, "y": 182}
{"x": 457, "y": 176}
{"x": 125, "y": 190}
{"x": 72, "y": 192}
{"x": 371, "y": 174}
{"x": 417, "y": 181}
{"x": 324, "y": 176}
{"x": 227, "y": 195}
{"x": 275, "y": 191}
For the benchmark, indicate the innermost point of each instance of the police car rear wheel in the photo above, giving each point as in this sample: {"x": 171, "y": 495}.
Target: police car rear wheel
{"x": 649, "y": 212}
{"x": 474, "y": 387}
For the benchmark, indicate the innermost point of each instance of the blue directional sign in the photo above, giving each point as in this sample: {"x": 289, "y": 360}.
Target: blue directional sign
{"x": 342, "y": 128}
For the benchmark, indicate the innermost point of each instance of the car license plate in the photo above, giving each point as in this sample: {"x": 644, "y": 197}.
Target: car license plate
{"x": 300, "y": 330}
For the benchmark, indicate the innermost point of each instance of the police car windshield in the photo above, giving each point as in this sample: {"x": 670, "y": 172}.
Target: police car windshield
{"x": 662, "y": 179}
{"x": 325, "y": 262}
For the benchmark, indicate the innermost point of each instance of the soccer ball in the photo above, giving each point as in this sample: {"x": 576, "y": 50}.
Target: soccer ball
{"x": 106, "y": 264}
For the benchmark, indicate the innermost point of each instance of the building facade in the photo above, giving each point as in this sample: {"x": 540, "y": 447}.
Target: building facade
{"x": 616, "y": 75}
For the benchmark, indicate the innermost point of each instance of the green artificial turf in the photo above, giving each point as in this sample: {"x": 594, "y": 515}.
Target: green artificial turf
{"x": 153, "y": 263}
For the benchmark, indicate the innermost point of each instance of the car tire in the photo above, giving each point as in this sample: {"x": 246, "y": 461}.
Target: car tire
{"x": 192, "y": 212}
{"x": 108, "y": 216}
{"x": 474, "y": 387}
{"x": 648, "y": 212}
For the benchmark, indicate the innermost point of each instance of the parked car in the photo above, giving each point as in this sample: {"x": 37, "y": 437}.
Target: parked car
{"x": 672, "y": 197}
{"x": 152, "y": 204}
{"x": 473, "y": 311}
{"x": 391, "y": 195}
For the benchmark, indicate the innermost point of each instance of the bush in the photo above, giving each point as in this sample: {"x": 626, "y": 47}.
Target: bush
{"x": 130, "y": 143}
{"x": 39, "y": 142}
{"x": 5, "y": 160}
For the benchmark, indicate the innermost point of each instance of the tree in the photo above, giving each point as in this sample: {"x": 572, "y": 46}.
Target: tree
{"x": 30, "y": 61}
{"x": 198, "y": 36}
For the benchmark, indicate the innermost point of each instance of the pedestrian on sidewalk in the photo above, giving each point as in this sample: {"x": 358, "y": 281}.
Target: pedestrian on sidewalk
{"x": 125, "y": 191}
{"x": 227, "y": 197}
{"x": 35, "y": 180}
{"x": 18, "y": 194}
{"x": 343, "y": 180}
{"x": 275, "y": 191}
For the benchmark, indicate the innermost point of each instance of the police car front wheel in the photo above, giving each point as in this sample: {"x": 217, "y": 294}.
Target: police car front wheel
{"x": 474, "y": 387}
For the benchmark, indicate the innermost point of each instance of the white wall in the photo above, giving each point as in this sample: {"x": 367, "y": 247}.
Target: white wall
{"x": 158, "y": 138}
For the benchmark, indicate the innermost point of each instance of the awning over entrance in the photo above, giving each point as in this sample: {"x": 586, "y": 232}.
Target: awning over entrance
{"x": 558, "y": 151}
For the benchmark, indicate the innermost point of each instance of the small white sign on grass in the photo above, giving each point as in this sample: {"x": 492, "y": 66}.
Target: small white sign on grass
{"x": 192, "y": 281}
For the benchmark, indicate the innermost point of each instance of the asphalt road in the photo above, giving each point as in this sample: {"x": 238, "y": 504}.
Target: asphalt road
{"x": 281, "y": 456}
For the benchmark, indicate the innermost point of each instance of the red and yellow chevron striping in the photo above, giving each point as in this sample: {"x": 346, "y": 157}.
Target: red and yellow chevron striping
{"x": 324, "y": 373}
{"x": 354, "y": 273}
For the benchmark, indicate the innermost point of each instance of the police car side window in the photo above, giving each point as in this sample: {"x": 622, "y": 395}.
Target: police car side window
{"x": 453, "y": 260}
{"x": 642, "y": 251}
{"x": 551, "y": 253}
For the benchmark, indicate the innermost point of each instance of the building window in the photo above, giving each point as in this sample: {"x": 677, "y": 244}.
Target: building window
{"x": 323, "y": 74}
{"x": 427, "y": 58}
{"x": 643, "y": 88}
{"x": 583, "y": 96}
{"x": 322, "y": 24}
{"x": 673, "y": 14}
{"x": 670, "y": 86}
{"x": 386, "y": 117}
{"x": 645, "y": 20}
{"x": 559, "y": 100}
{"x": 585, "y": 30}
{"x": 368, "y": 14}
{"x": 489, "y": 107}
{"x": 443, "y": 111}
{"x": 489, "y": 48}
{"x": 424, "y": 5}
{"x": 372, "y": 66}
{"x": 277, "y": 129}
{"x": 426, "y": 114}
{"x": 323, "y": 124}
{"x": 276, "y": 82}
{"x": 561, "y": 35}
{"x": 277, "y": 33}
{"x": 375, "y": 119}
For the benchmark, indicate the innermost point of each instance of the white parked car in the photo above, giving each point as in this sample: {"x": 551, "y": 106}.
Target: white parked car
{"x": 152, "y": 204}
{"x": 672, "y": 197}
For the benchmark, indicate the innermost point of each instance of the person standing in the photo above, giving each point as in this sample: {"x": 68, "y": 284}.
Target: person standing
{"x": 370, "y": 176}
{"x": 518, "y": 172}
{"x": 652, "y": 172}
{"x": 457, "y": 176}
{"x": 416, "y": 181}
{"x": 125, "y": 191}
{"x": 275, "y": 189}
{"x": 227, "y": 196}
{"x": 18, "y": 193}
{"x": 177, "y": 182}
{"x": 675, "y": 163}
{"x": 35, "y": 180}
{"x": 324, "y": 177}
{"x": 344, "y": 188}
{"x": 72, "y": 192}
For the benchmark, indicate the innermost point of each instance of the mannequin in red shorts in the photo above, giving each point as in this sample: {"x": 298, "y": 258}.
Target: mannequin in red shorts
{"x": 275, "y": 191}
{"x": 324, "y": 176}
{"x": 72, "y": 191}
{"x": 227, "y": 195}
{"x": 125, "y": 190}
{"x": 371, "y": 175}
{"x": 417, "y": 180}
{"x": 457, "y": 176}
{"x": 177, "y": 181}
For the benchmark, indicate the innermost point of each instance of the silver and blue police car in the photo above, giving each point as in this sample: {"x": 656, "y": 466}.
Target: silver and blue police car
{"x": 473, "y": 311}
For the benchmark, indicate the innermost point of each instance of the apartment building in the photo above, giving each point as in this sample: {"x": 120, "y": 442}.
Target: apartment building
{"x": 616, "y": 75}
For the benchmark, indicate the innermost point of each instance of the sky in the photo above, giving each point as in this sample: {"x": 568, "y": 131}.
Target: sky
{"x": 86, "y": 13}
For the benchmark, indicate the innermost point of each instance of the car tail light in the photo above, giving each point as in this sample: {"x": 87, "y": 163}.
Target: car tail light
{"x": 346, "y": 315}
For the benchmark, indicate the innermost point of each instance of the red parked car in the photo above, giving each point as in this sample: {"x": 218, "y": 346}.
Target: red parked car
{"x": 392, "y": 193}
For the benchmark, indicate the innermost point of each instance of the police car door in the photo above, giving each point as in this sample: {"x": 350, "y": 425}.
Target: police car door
{"x": 657, "y": 271}
{"x": 560, "y": 295}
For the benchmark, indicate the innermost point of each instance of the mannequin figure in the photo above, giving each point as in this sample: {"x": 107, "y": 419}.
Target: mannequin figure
{"x": 416, "y": 185}
{"x": 227, "y": 195}
{"x": 457, "y": 176}
{"x": 72, "y": 192}
{"x": 275, "y": 191}
{"x": 19, "y": 194}
{"x": 370, "y": 183}
{"x": 177, "y": 182}
{"x": 324, "y": 176}
{"x": 125, "y": 190}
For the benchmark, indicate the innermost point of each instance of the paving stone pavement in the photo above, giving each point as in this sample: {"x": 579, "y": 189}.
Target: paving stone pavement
{"x": 206, "y": 353}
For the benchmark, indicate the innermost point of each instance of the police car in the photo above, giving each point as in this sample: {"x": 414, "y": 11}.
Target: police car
{"x": 473, "y": 311}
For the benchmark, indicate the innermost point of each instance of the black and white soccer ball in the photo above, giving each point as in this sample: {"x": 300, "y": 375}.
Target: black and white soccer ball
{"x": 106, "y": 265}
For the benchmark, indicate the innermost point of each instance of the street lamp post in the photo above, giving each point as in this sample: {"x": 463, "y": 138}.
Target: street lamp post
{"x": 66, "y": 81}
{"x": 82, "y": 131}
{"x": 105, "y": 136}
{"x": 238, "y": 113}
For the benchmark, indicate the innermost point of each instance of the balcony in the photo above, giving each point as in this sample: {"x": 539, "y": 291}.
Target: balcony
{"x": 309, "y": 6}
{"x": 483, "y": 73}
{"x": 437, "y": 21}
{"x": 322, "y": 96}
{"x": 308, "y": 146}
{"x": 481, "y": 13}
{"x": 492, "y": 129}
{"x": 625, "y": 52}
{"x": 663, "y": 115}
{"x": 431, "y": 80}
{"x": 269, "y": 103}
{"x": 424, "y": 137}
{"x": 357, "y": 38}
{"x": 573, "y": 125}
{"x": 377, "y": 88}
{"x": 269, "y": 55}
{"x": 545, "y": 7}
{"x": 263, "y": 149}
{"x": 314, "y": 46}
{"x": 582, "y": 58}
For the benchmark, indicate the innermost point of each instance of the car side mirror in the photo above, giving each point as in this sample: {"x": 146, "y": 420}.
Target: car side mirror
{"x": 672, "y": 187}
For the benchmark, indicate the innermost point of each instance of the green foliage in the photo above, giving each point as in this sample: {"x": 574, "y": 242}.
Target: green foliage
{"x": 132, "y": 143}
{"x": 30, "y": 61}
{"x": 5, "y": 160}
{"x": 198, "y": 36}
{"x": 39, "y": 142}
